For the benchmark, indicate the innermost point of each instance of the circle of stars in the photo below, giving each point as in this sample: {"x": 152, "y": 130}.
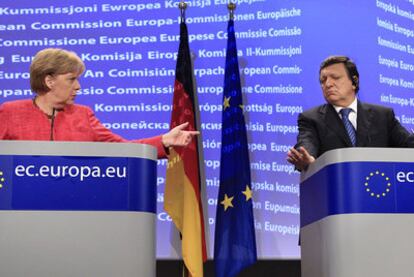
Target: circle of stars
{"x": 371, "y": 191}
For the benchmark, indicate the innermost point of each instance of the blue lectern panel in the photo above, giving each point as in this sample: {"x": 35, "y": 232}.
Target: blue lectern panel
{"x": 77, "y": 183}
{"x": 358, "y": 187}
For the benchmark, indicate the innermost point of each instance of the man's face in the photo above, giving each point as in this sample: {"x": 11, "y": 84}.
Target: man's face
{"x": 336, "y": 86}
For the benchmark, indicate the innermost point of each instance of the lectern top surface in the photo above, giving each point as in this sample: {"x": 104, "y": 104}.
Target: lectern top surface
{"x": 359, "y": 154}
{"x": 96, "y": 149}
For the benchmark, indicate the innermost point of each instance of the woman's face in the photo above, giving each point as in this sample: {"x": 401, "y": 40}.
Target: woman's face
{"x": 63, "y": 89}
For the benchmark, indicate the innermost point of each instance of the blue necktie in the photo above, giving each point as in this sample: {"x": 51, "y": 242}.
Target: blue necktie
{"x": 348, "y": 125}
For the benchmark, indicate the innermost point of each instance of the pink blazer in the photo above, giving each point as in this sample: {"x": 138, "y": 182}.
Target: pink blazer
{"x": 22, "y": 120}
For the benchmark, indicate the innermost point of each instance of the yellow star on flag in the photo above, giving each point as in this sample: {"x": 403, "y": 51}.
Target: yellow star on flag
{"x": 248, "y": 193}
{"x": 241, "y": 107}
{"x": 227, "y": 202}
{"x": 226, "y": 103}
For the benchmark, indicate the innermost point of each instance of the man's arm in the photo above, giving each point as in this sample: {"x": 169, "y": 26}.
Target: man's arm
{"x": 400, "y": 137}
{"x": 307, "y": 146}
{"x": 308, "y": 136}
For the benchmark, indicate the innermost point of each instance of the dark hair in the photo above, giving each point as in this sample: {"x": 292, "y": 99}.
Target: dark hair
{"x": 350, "y": 67}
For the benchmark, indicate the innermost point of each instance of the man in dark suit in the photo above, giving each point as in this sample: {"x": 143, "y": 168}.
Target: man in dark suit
{"x": 344, "y": 121}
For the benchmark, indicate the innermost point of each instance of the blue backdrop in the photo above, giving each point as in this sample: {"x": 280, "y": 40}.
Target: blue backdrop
{"x": 129, "y": 48}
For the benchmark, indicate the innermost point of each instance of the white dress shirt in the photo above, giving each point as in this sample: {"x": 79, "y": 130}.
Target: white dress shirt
{"x": 352, "y": 115}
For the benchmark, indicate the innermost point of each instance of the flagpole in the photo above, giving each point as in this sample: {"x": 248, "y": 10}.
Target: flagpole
{"x": 182, "y": 197}
{"x": 234, "y": 201}
{"x": 183, "y": 6}
{"x": 199, "y": 142}
{"x": 231, "y": 7}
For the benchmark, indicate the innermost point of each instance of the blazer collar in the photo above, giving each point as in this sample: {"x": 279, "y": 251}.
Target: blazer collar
{"x": 364, "y": 120}
{"x": 334, "y": 122}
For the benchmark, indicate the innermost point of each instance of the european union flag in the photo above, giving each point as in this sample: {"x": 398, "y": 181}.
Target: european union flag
{"x": 235, "y": 243}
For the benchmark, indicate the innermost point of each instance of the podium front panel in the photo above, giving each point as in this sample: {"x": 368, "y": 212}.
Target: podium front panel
{"x": 77, "y": 209}
{"x": 357, "y": 214}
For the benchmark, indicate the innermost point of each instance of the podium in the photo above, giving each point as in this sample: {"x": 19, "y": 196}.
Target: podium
{"x": 77, "y": 209}
{"x": 357, "y": 214}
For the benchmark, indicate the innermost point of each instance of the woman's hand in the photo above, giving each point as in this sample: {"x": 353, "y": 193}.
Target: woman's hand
{"x": 178, "y": 136}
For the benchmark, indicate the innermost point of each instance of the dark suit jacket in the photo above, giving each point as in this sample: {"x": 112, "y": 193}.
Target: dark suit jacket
{"x": 321, "y": 129}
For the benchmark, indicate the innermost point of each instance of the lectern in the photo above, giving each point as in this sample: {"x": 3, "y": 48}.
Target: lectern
{"x": 357, "y": 214}
{"x": 77, "y": 209}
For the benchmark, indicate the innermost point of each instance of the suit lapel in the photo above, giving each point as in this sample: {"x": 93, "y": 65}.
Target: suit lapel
{"x": 334, "y": 123}
{"x": 364, "y": 119}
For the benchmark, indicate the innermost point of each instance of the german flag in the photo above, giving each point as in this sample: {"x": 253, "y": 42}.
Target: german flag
{"x": 182, "y": 198}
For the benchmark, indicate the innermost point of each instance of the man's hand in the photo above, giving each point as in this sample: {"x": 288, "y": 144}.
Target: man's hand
{"x": 300, "y": 158}
{"x": 178, "y": 136}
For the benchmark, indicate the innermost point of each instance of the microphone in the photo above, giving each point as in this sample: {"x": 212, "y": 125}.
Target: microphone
{"x": 52, "y": 123}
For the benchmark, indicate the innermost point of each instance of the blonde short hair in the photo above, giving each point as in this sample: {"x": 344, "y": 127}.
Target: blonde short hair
{"x": 53, "y": 61}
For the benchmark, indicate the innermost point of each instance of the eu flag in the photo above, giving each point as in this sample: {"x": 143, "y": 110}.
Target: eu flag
{"x": 235, "y": 243}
